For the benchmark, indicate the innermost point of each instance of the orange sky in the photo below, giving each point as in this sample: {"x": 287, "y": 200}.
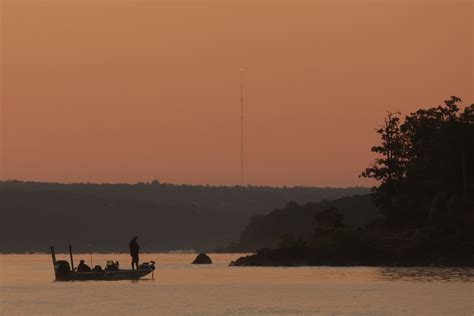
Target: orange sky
{"x": 127, "y": 91}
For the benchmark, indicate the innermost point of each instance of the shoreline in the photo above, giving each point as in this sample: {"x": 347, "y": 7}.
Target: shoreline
{"x": 272, "y": 258}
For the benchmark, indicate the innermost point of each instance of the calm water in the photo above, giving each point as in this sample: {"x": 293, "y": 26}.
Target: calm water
{"x": 27, "y": 288}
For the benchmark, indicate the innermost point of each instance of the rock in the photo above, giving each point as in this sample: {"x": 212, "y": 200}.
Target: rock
{"x": 202, "y": 258}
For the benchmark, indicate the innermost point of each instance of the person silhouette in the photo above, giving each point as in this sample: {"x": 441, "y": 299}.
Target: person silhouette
{"x": 134, "y": 250}
{"x": 82, "y": 267}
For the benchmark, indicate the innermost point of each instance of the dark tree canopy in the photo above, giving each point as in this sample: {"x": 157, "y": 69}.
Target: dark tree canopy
{"x": 329, "y": 219}
{"x": 426, "y": 165}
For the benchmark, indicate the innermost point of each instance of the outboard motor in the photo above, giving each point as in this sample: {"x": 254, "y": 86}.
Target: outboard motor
{"x": 62, "y": 270}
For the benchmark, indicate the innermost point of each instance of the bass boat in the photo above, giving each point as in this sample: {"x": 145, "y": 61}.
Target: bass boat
{"x": 64, "y": 271}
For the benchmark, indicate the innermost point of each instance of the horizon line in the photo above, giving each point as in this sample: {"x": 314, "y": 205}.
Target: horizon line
{"x": 157, "y": 183}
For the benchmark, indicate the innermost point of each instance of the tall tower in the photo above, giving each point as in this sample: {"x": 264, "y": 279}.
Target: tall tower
{"x": 241, "y": 126}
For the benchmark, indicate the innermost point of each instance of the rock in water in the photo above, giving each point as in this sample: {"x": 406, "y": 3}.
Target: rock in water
{"x": 202, "y": 258}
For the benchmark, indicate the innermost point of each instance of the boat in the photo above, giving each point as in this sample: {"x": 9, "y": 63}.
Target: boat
{"x": 64, "y": 272}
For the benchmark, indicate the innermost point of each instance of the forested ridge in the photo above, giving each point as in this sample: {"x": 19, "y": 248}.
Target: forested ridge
{"x": 164, "y": 216}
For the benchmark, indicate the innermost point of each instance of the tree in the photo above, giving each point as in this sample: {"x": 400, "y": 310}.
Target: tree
{"x": 328, "y": 220}
{"x": 425, "y": 163}
{"x": 389, "y": 167}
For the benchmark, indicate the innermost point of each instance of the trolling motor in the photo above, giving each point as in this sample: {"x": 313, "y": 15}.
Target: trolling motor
{"x": 147, "y": 265}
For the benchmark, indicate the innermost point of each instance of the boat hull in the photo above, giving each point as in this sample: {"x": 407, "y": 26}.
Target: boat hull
{"x": 104, "y": 275}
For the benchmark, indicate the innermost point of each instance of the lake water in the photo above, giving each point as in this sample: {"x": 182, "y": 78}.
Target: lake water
{"x": 179, "y": 288}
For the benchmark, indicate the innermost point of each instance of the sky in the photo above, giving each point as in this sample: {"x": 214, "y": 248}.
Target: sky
{"x": 130, "y": 91}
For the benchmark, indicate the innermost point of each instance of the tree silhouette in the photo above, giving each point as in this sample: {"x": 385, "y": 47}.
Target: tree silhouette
{"x": 426, "y": 162}
{"x": 390, "y": 167}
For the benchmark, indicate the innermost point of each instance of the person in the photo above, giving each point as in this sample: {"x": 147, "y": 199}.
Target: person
{"x": 134, "y": 250}
{"x": 82, "y": 267}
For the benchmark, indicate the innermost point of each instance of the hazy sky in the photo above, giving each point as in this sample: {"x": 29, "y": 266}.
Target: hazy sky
{"x": 127, "y": 91}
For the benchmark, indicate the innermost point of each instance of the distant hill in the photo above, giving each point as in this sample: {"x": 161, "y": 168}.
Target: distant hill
{"x": 166, "y": 217}
{"x": 265, "y": 231}
{"x": 32, "y": 221}
{"x": 228, "y": 199}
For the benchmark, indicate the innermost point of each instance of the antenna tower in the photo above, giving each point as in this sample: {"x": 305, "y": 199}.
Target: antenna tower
{"x": 242, "y": 126}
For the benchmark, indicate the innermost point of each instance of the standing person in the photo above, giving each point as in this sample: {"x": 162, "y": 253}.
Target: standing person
{"x": 134, "y": 250}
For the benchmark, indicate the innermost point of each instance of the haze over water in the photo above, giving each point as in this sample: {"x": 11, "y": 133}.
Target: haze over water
{"x": 179, "y": 288}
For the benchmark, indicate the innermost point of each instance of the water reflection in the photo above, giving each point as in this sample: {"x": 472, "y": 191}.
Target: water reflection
{"x": 427, "y": 274}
